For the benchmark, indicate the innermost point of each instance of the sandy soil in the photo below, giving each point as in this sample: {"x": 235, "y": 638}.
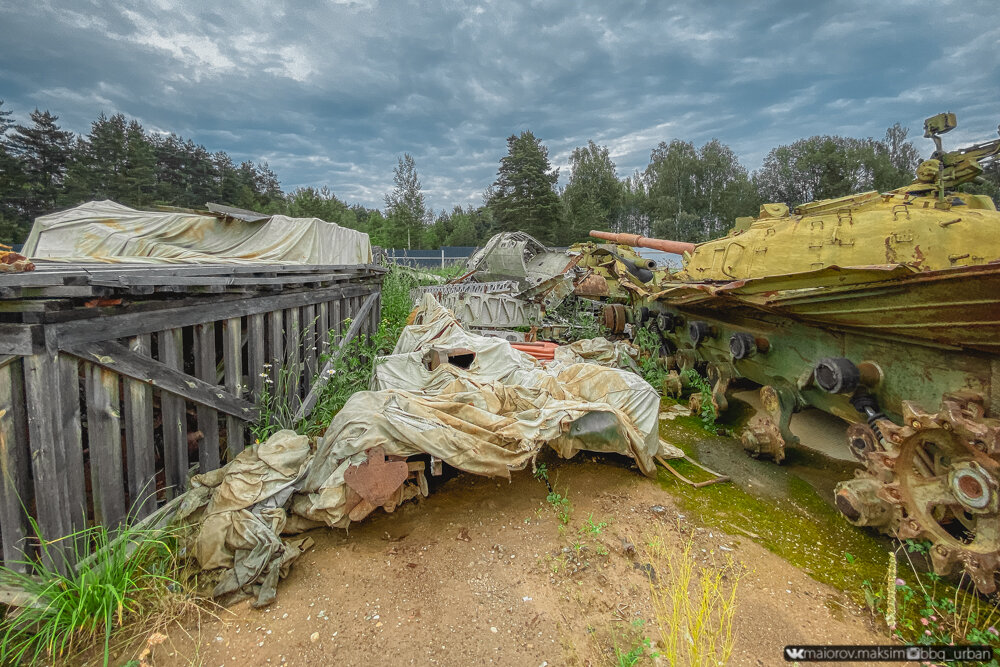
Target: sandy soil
{"x": 479, "y": 573}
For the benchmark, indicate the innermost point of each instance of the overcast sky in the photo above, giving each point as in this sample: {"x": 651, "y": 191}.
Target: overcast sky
{"x": 333, "y": 92}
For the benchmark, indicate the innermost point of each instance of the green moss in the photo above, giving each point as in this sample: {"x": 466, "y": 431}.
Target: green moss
{"x": 793, "y": 522}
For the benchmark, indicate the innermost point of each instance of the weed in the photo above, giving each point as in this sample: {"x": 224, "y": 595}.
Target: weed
{"x": 651, "y": 366}
{"x": 351, "y": 372}
{"x": 542, "y": 474}
{"x": 560, "y": 503}
{"x": 583, "y": 322}
{"x": 591, "y": 528}
{"x": 708, "y": 413}
{"x": 129, "y": 573}
{"x": 924, "y": 609}
{"x": 693, "y": 610}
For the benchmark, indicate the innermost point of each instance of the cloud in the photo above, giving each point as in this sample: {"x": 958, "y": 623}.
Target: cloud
{"x": 334, "y": 93}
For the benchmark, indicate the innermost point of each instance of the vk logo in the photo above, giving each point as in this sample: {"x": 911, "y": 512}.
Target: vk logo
{"x": 794, "y": 653}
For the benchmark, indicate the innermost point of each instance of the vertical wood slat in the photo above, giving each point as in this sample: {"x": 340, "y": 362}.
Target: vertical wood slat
{"x": 105, "y": 444}
{"x": 310, "y": 345}
{"x": 208, "y": 418}
{"x": 337, "y": 320}
{"x": 48, "y": 456}
{"x": 141, "y": 459}
{"x": 256, "y": 356}
{"x": 232, "y": 353}
{"x": 323, "y": 326}
{"x": 15, "y": 466}
{"x": 72, "y": 435}
{"x": 174, "y": 414}
{"x": 293, "y": 357}
{"x": 276, "y": 347}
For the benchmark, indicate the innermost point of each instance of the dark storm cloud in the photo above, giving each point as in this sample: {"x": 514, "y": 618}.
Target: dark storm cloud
{"x": 332, "y": 93}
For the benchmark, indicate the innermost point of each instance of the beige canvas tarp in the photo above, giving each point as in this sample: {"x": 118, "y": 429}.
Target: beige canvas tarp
{"x": 489, "y": 415}
{"x": 109, "y": 232}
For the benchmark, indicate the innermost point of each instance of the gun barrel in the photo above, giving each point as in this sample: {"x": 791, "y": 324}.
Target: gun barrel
{"x": 676, "y": 247}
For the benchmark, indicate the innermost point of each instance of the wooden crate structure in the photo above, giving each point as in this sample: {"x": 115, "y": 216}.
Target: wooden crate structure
{"x": 116, "y": 381}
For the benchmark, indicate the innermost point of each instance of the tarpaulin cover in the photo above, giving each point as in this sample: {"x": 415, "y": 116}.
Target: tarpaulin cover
{"x": 488, "y": 415}
{"x": 109, "y": 232}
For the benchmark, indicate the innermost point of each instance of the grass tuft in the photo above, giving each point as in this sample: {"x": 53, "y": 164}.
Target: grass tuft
{"x": 693, "y": 608}
{"x": 130, "y": 572}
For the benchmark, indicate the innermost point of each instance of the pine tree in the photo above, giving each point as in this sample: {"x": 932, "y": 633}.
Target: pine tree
{"x": 43, "y": 150}
{"x": 14, "y": 224}
{"x": 523, "y": 196}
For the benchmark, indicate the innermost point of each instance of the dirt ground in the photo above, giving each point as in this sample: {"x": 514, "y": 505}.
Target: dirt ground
{"x": 480, "y": 573}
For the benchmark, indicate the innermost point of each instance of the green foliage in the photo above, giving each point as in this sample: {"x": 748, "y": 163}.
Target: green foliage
{"x": 593, "y": 195}
{"x": 523, "y": 196}
{"x": 405, "y": 207}
{"x": 650, "y": 362}
{"x": 825, "y": 167}
{"x": 130, "y": 570}
{"x": 924, "y": 609}
{"x": 708, "y": 413}
{"x": 561, "y": 505}
{"x": 695, "y": 194}
{"x": 351, "y": 372}
{"x": 591, "y": 528}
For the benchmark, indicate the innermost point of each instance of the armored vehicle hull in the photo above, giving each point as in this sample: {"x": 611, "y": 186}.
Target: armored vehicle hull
{"x": 882, "y": 309}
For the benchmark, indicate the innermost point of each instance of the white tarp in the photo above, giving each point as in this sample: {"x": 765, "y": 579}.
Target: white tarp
{"x": 109, "y": 232}
{"x": 488, "y": 418}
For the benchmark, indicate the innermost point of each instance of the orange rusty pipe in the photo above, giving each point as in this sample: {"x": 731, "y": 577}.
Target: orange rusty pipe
{"x": 676, "y": 247}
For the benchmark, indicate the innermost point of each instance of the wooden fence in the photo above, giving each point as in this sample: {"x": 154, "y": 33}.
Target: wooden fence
{"x": 116, "y": 381}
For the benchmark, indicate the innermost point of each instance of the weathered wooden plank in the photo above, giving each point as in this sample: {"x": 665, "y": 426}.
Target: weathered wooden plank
{"x": 316, "y": 390}
{"x": 275, "y": 347}
{"x": 221, "y": 281}
{"x": 20, "y": 339}
{"x": 81, "y": 272}
{"x": 310, "y": 348}
{"x": 141, "y": 459}
{"x": 232, "y": 353}
{"x": 256, "y": 356}
{"x": 293, "y": 357}
{"x": 72, "y": 435}
{"x": 337, "y": 320}
{"x": 119, "y": 358}
{"x": 174, "y": 416}
{"x": 104, "y": 442}
{"x": 15, "y": 466}
{"x": 323, "y": 327}
{"x": 208, "y": 418}
{"x": 48, "y": 456}
{"x": 52, "y": 292}
{"x": 111, "y": 325}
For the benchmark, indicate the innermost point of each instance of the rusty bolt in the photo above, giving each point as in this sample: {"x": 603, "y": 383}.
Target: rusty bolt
{"x": 948, "y": 426}
{"x": 941, "y": 549}
{"x": 895, "y": 437}
{"x": 915, "y": 423}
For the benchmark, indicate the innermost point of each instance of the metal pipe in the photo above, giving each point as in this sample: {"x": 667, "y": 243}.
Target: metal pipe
{"x": 675, "y": 247}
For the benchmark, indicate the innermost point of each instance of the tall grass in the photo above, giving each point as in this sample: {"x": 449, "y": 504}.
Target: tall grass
{"x": 351, "y": 372}
{"x": 693, "y": 608}
{"x": 129, "y": 572}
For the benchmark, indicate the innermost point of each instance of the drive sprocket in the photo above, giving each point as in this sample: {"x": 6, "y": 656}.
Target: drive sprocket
{"x": 936, "y": 477}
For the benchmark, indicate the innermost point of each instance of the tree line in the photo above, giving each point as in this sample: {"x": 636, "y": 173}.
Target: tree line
{"x": 686, "y": 192}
